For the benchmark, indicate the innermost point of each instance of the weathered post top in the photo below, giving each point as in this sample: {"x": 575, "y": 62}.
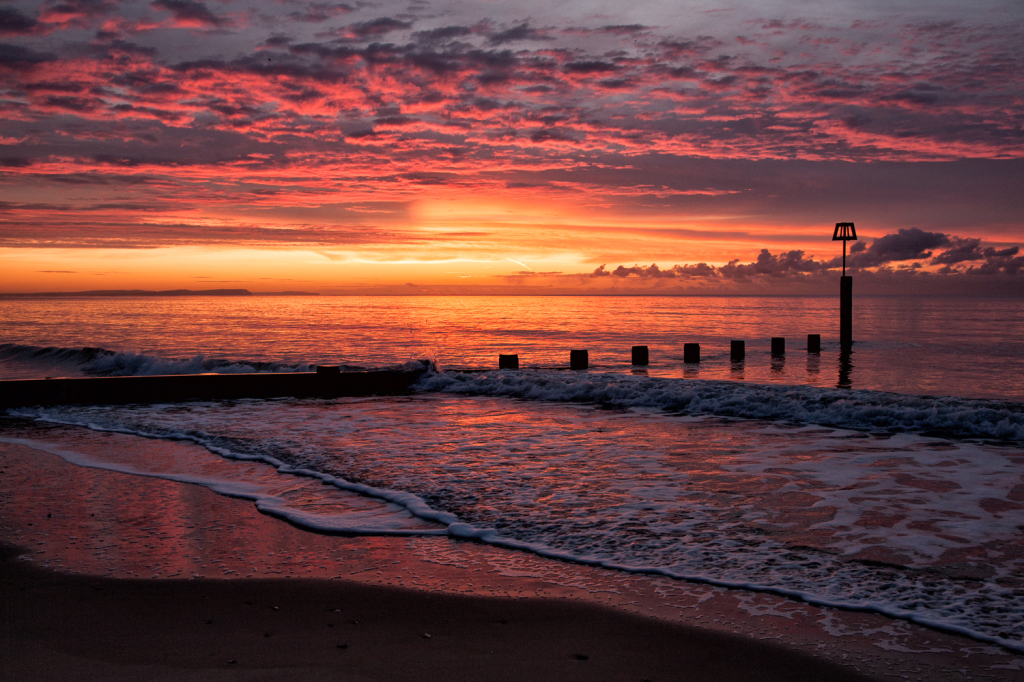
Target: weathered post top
{"x": 844, "y": 232}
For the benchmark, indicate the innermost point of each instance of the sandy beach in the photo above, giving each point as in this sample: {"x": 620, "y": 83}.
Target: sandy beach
{"x": 118, "y": 577}
{"x": 64, "y": 627}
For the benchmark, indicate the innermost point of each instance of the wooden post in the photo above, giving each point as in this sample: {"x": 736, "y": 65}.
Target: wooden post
{"x": 691, "y": 352}
{"x": 778, "y": 345}
{"x": 640, "y": 355}
{"x": 814, "y": 343}
{"x": 578, "y": 359}
{"x": 508, "y": 362}
{"x": 737, "y": 350}
{"x": 846, "y": 312}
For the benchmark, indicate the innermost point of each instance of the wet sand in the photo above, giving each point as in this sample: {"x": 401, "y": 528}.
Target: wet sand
{"x": 64, "y": 627}
{"x": 112, "y": 576}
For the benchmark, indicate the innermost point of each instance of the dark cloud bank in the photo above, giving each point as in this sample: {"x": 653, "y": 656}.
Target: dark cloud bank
{"x": 911, "y": 249}
{"x": 966, "y": 267}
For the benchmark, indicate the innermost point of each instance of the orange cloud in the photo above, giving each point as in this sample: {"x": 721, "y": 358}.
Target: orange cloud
{"x": 346, "y": 126}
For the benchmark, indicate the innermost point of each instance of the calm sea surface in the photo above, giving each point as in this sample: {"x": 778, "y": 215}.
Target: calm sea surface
{"x": 928, "y": 346}
{"x": 890, "y": 480}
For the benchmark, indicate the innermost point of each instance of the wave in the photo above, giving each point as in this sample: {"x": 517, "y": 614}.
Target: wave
{"x": 101, "y": 362}
{"x": 843, "y": 408}
{"x": 945, "y": 416}
{"x": 982, "y": 610}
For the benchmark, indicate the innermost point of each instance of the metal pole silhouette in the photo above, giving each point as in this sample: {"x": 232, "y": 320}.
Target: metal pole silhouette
{"x": 845, "y": 232}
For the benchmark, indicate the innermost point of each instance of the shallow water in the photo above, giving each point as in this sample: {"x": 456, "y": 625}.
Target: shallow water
{"x": 922, "y": 528}
{"x": 761, "y": 474}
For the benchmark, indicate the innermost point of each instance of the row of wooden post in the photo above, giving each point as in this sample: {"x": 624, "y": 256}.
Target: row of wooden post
{"x": 580, "y": 359}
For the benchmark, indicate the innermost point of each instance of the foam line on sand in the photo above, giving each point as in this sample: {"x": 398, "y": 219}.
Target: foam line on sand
{"x": 95, "y": 586}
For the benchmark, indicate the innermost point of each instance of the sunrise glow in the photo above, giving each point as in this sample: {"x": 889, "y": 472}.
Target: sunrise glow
{"x": 337, "y": 147}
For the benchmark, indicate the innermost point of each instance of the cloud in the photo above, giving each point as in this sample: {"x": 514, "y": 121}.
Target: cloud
{"x": 517, "y": 33}
{"x": 277, "y": 40}
{"x": 906, "y": 244}
{"x": 995, "y": 260}
{"x": 189, "y": 13}
{"x": 374, "y": 28}
{"x": 21, "y": 58}
{"x": 768, "y": 265}
{"x": 557, "y": 96}
{"x": 962, "y": 250}
{"x": 646, "y": 271}
{"x": 75, "y": 13}
{"x": 114, "y": 232}
{"x": 589, "y": 67}
{"x": 596, "y": 121}
{"x": 317, "y": 12}
{"x": 625, "y": 29}
{"x": 442, "y": 34}
{"x": 1005, "y": 261}
{"x": 13, "y": 22}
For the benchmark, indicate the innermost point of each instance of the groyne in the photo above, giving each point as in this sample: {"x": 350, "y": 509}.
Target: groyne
{"x": 326, "y": 382}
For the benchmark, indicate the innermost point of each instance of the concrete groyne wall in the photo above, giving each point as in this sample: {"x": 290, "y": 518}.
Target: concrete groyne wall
{"x": 186, "y": 387}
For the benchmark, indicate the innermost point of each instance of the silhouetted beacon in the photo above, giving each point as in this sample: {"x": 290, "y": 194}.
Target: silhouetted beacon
{"x": 578, "y": 359}
{"x": 691, "y": 352}
{"x": 640, "y": 356}
{"x": 508, "y": 362}
{"x": 845, "y": 232}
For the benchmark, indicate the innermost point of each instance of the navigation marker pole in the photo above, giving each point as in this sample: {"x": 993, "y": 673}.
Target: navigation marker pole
{"x": 845, "y": 232}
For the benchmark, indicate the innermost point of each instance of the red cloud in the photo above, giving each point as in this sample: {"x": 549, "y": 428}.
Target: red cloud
{"x": 190, "y": 13}
{"x": 270, "y": 117}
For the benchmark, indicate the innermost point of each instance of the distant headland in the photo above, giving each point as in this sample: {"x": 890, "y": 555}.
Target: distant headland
{"x": 144, "y": 292}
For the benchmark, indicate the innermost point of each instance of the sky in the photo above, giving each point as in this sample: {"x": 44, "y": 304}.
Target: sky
{"x": 511, "y": 147}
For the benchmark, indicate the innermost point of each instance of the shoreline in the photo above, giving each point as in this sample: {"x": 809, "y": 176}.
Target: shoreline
{"x": 128, "y": 536}
{"x": 304, "y": 629}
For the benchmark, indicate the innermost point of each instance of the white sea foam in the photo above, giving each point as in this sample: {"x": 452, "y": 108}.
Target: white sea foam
{"x": 39, "y": 361}
{"x": 854, "y": 409}
{"x": 139, "y": 364}
{"x": 272, "y": 495}
{"x": 845, "y": 408}
{"x": 916, "y": 527}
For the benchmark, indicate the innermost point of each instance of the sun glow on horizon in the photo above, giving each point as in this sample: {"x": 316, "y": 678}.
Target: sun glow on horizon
{"x": 366, "y": 148}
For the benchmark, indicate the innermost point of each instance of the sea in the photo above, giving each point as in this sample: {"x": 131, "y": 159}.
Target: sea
{"x": 889, "y": 478}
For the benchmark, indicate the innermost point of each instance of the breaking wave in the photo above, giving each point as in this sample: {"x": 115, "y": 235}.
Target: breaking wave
{"x": 844, "y": 408}
{"x": 101, "y": 362}
{"x": 945, "y": 416}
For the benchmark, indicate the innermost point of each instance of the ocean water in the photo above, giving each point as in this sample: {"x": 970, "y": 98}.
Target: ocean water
{"x": 928, "y": 346}
{"x": 890, "y": 480}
